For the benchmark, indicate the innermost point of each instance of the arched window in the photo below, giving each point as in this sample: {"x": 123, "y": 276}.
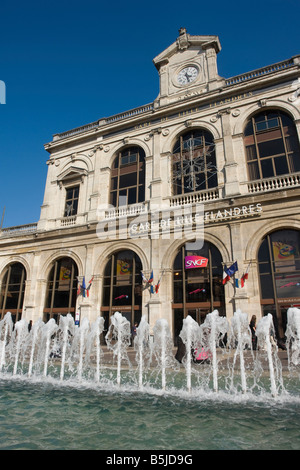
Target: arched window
{"x": 12, "y": 291}
{"x": 194, "y": 162}
{"x": 197, "y": 286}
{"x": 272, "y": 145}
{"x": 128, "y": 177}
{"x": 122, "y": 286}
{"x": 61, "y": 289}
{"x": 279, "y": 272}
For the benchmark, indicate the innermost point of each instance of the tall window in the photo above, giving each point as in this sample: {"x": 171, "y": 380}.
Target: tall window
{"x": 122, "y": 286}
{"x": 12, "y": 291}
{"x": 279, "y": 272}
{"x": 61, "y": 289}
{"x": 128, "y": 177}
{"x": 194, "y": 162}
{"x": 72, "y": 197}
{"x": 272, "y": 145}
{"x": 197, "y": 290}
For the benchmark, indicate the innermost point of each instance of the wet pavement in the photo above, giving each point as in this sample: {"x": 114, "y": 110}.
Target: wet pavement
{"x": 225, "y": 358}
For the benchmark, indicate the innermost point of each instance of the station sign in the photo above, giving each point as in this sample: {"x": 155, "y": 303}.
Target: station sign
{"x": 192, "y": 262}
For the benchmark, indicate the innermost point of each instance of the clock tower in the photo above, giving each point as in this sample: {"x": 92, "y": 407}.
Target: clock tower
{"x": 188, "y": 67}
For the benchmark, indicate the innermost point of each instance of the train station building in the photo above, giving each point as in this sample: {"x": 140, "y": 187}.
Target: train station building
{"x": 178, "y": 207}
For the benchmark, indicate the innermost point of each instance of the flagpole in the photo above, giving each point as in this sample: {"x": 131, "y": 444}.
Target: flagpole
{"x": 2, "y": 218}
{"x": 231, "y": 246}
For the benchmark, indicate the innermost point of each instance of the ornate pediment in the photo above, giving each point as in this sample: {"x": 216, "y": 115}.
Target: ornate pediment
{"x": 184, "y": 42}
{"x": 188, "y": 66}
{"x": 71, "y": 174}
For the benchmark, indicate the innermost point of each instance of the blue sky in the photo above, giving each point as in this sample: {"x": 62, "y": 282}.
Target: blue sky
{"x": 68, "y": 63}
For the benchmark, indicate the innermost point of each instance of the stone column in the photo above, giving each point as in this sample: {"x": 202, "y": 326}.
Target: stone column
{"x": 231, "y": 166}
{"x": 156, "y": 182}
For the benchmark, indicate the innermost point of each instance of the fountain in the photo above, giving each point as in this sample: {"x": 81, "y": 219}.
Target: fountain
{"x": 118, "y": 340}
{"x": 66, "y": 326}
{"x": 241, "y": 335}
{"x": 162, "y": 348}
{"x": 68, "y": 365}
{"x": 49, "y": 333}
{"x": 212, "y": 333}
{"x": 74, "y": 352}
{"x": 6, "y": 327}
{"x": 94, "y": 339}
{"x": 142, "y": 348}
{"x": 19, "y": 338}
{"x": 190, "y": 337}
{"x": 265, "y": 333}
{"x": 293, "y": 336}
{"x": 35, "y": 337}
{"x": 79, "y": 345}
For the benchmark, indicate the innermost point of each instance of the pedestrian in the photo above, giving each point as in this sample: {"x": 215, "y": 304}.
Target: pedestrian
{"x": 133, "y": 332}
{"x": 252, "y": 327}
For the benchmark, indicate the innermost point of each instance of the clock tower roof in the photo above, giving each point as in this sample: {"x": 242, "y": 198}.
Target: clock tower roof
{"x": 184, "y": 42}
{"x": 188, "y": 67}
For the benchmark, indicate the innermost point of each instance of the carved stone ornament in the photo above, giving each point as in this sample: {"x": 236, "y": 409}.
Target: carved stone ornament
{"x": 236, "y": 113}
{"x": 182, "y": 40}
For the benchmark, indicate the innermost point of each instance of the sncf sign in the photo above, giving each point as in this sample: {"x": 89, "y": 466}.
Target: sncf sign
{"x": 195, "y": 262}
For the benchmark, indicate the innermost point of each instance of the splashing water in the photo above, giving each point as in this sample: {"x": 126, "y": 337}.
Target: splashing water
{"x": 74, "y": 354}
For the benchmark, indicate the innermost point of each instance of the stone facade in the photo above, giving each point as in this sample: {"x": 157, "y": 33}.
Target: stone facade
{"x": 237, "y": 213}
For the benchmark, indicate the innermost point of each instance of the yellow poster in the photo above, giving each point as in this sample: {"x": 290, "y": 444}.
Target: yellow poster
{"x": 284, "y": 256}
{"x": 64, "y": 278}
{"x": 123, "y": 271}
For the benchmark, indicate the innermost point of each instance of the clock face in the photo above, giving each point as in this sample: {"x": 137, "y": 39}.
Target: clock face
{"x": 187, "y": 75}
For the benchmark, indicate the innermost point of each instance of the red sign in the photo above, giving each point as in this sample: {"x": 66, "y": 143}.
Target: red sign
{"x": 192, "y": 262}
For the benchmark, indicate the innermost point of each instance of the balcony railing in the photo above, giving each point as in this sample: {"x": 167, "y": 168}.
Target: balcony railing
{"x": 67, "y": 221}
{"x": 197, "y": 197}
{"x": 126, "y": 211}
{"x": 18, "y": 230}
{"x": 260, "y": 72}
{"x": 274, "y": 183}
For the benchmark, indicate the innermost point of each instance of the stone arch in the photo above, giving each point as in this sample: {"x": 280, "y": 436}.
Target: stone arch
{"x": 256, "y": 108}
{"x": 48, "y": 264}
{"x": 119, "y": 246}
{"x": 172, "y": 250}
{"x": 12, "y": 260}
{"x": 270, "y": 226}
{"x": 182, "y": 128}
{"x": 126, "y": 143}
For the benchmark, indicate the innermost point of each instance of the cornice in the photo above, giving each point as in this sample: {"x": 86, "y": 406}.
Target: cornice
{"x": 103, "y": 128}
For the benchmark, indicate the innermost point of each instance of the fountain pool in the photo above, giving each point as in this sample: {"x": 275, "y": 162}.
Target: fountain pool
{"x": 59, "y": 391}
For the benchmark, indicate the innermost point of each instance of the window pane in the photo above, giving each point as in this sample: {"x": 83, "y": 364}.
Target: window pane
{"x": 281, "y": 165}
{"x": 141, "y": 194}
{"x": 261, "y": 126}
{"x": 132, "y": 196}
{"x": 194, "y": 162}
{"x": 113, "y": 199}
{"x": 294, "y": 160}
{"x": 267, "y": 168}
{"x": 123, "y": 197}
{"x": 249, "y": 129}
{"x": 114, "y": 183}
{"x": 212, "y": 180}
{"x": 71, "y": 207}
{"x": 272, "y": 147}
{"x": 251, "y": 152}
{"x": 266, "y": 283}
{"x": 253, "y": 171}
{"x": 128, "y": 180}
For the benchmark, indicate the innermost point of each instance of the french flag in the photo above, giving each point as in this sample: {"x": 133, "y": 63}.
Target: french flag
{"x": 228, "y": 272}
{"x": 226, "y": 276}
{"x": 151, "y": 277}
